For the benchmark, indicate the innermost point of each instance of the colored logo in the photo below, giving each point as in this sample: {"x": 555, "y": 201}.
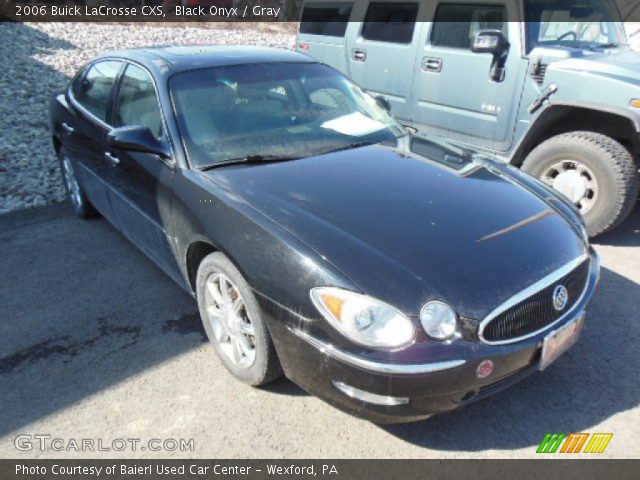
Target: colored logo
{"x": 574, "y": 443}
{"x": 560, "y": 297}
{"x": 484, "y": 369}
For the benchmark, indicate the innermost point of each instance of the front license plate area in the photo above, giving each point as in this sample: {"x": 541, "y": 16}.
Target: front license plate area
{"x": 559, "y": 341}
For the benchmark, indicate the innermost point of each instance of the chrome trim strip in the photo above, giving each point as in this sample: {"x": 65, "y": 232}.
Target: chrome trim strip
{"x": 531, "y": 290}
{"x": 388, "y": 368}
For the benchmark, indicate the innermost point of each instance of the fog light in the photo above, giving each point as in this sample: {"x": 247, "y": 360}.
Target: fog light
{"x": 369, "y": 397}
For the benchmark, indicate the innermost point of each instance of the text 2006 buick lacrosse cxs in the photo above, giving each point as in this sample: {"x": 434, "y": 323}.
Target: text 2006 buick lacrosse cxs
{"x": 393, "y": 276}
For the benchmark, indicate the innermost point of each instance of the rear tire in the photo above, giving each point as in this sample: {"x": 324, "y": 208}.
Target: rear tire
{"x": 612, "y": 192}
{"x": 233, "y": 322}
{"x": 79, "y": 201}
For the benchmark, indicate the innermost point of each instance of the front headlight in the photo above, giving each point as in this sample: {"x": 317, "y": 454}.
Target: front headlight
{"x": 363, "y": 319}
{"x": 439, "y": 320}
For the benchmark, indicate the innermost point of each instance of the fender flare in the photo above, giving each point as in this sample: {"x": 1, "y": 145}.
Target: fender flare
{"x": 555, "y": 108}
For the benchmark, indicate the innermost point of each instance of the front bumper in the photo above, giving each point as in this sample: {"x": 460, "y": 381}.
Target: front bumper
{"x": 415, "y": 390}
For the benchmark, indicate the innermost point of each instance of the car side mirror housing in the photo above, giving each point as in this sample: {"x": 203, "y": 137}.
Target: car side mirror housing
{"x": 137, "y": 138}
{"x": 489, "y": 41}
{"x": 383, "y": 103}
{"x": 493, "y": 42}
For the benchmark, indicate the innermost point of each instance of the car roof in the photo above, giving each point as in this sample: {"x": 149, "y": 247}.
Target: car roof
{"x": 170, "y": 59}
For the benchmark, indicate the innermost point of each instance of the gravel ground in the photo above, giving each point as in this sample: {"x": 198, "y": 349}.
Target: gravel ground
{"x": 38, "y": 59}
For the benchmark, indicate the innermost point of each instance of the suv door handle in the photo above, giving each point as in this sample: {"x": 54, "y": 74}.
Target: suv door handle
{"x": 113, "y": 160}
{"x": 67, "y": 128}
{"x": 359, "y": 54}
{"x": 431, "y": 64}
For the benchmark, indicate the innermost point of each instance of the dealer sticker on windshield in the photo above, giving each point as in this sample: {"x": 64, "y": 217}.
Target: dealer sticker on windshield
{"x": 559, "y": 341}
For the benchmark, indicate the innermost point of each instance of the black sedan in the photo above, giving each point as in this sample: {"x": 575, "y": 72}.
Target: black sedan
{"x": 394, "y": 276}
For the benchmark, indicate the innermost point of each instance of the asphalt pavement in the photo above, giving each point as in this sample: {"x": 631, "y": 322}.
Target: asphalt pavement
{"x": 97, "y": 343}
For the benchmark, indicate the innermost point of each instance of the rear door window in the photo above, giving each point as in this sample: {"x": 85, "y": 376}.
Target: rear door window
{"x": 136, "y": 102}
{"x": 456, "y": 25}
{"x": 329, "y": 19}
{"x": 390, "y": 22}
{"x": 93, "y": 90}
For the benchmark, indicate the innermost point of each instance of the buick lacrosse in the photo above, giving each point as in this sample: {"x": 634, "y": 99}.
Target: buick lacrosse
{"x": 394, "y": 276}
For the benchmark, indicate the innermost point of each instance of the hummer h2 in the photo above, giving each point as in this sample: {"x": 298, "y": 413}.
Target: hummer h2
{"x": 557, "y": 94}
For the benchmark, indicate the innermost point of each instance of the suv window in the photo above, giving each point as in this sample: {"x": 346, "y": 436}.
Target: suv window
{"x": 456, "y": 25}
{"x": 390, "y": 22}
{"x": 572, "y": 23}
{"x": 92, "y": 90}
{"x": 136, "y": 103}
{"x": 328, "y": 19}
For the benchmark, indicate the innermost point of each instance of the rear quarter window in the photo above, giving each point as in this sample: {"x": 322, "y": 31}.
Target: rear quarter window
{"x": 329, "y": 19}
{"x": 390, "y": 22}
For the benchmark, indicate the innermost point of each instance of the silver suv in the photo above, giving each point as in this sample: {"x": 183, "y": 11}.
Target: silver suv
{"x": 557, "y": 95}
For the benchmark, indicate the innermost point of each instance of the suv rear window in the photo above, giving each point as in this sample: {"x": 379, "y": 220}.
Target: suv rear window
{"x": 390, "y": 22}
{"x": 456, "y": 25}
{"x": 329, "y": 19}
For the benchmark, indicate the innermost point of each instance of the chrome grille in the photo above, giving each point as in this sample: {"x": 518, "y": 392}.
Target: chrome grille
{"x": 536, "y": 311}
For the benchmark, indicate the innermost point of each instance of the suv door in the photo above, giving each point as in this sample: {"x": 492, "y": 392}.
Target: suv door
{"x": 455, "y": 96}
{"x": 141, "y": 182}
{"x": 90, "y": 98}
{"x": 381, "y": 54}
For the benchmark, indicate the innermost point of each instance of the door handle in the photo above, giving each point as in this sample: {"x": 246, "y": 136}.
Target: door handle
{"x": 67, "y": 128}
{"x": 113, "y": 160}
{"x": 359, "y": 54}
{"x": 431, "y": 64}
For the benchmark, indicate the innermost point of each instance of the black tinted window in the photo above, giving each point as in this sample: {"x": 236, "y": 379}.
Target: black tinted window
{"x": 328, "y": 19}
{"x": 456, "y": 25}
{"x": 136, "y": 103}
{"x": 92, "y": 90}
{"x": 390, "y": 22}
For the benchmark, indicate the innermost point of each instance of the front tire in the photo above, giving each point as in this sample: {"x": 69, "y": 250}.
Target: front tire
{"x": 79, "y": 201}
{"x": 233, "y": 322}
{"x": 594, "y": 171}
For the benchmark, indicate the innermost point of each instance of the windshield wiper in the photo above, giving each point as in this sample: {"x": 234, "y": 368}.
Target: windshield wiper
{"x": 349, "y": 147}
{"x": 249, "y": 159}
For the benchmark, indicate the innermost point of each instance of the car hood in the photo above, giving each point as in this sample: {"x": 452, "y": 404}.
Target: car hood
{"x": 406, "y": 229}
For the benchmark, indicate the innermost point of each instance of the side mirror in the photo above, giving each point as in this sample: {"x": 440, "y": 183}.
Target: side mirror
{"x": 489, "y": 41}
{"x": 383, "y": 103}
{"x": 493, "y": 42}
{"x": 137, "y": 138}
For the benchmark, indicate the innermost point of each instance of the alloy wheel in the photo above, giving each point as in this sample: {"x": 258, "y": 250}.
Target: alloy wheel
{"x": 227, "y": 315}
{"x": 73, "y": 188}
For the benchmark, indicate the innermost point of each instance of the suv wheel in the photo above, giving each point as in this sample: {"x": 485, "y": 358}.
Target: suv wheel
{"x": 233, "y": 322}
{"x": 594, "y": 171}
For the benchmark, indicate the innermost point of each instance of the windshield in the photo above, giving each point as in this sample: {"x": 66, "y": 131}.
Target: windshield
{"x": 572, "y": 23}
{"x": 272, "y": 110}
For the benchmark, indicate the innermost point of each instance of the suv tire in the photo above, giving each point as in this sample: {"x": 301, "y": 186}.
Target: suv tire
{"x": 615, "y": 172}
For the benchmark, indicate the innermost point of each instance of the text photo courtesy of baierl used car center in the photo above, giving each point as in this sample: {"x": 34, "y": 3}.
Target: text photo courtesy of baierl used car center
{"x": 322, "y": 229}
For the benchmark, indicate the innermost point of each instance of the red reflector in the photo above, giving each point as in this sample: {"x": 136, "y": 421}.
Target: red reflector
{"x": 484, "y": 369}
{"x": 303, "y": 46}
